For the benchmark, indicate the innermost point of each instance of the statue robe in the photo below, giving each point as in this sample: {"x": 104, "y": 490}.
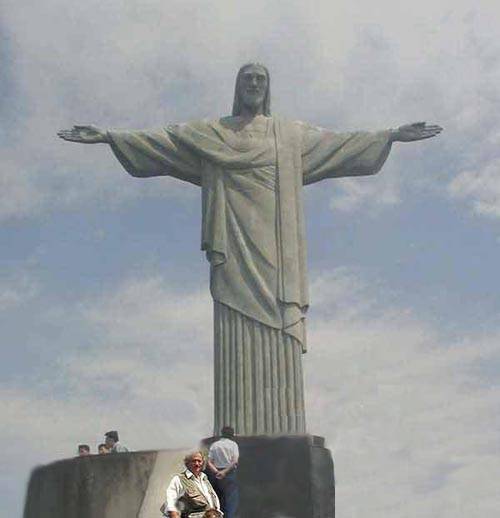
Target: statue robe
{"x": 251, "y": 175}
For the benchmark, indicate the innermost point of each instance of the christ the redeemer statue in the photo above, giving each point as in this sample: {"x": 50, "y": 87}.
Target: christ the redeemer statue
{"x": 251, "y": 168}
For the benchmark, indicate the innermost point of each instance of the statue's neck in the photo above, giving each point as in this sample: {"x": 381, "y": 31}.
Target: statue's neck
{"x": 253, "y": 122}
{"x": 250, "y": 112}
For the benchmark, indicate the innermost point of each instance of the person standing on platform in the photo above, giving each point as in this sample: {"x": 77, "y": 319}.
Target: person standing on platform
{"x": 112, "y": 442}
{"x": 103, "y": 449}
{"x": 83, "y": 450}
{"x": 223, "y": 456}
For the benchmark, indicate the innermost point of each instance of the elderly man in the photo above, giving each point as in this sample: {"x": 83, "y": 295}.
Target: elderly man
{"x": 190, "y": 494}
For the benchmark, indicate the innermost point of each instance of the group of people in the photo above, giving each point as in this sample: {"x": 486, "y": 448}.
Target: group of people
{"x": 111, "y": 444}
{"x": 206, "y": 488}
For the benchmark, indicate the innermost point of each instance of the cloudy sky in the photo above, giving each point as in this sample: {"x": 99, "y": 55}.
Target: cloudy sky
{"x": 104, "y": 311}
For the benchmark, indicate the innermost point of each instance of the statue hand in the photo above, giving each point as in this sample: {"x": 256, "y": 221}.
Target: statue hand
{"x": 415, "y": 131}
{"x": 84, "y": 135}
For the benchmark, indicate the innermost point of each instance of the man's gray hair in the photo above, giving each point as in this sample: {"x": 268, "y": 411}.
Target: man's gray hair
{"x": 189, "y": 457}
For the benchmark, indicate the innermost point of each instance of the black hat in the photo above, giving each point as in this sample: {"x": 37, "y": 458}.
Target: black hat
{"x": 227, "y": 431}
{"x": 113, "y": 434}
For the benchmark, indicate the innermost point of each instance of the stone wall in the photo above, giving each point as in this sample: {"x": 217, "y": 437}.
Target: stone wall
{"x": 279, "y": 477}
{"x": 123, "y": 485}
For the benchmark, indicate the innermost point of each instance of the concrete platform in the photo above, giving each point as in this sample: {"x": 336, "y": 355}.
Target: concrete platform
{"x": 279, "y": 477}
{"x": 123, "y": 485}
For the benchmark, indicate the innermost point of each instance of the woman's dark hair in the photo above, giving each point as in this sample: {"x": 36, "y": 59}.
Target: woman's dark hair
{"x": 113, "y": 434}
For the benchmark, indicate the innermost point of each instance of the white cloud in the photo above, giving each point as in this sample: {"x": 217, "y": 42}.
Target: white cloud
{"x": 357, "y": 193}
{"x": 401, "y": 405}
{"x": 145, "y": 310}
{"x": 480, "y": 189}
{"x": 148, "y": 346}
{"x": 138, "y": 362}
{"x": 16, "y": 289}
{"x": 344, "y": 65}
{"x": 412, "y": 424}
{"x": 387, "y": 63}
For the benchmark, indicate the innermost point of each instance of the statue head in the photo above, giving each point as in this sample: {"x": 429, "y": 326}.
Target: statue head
{"x": 252, "y": 93}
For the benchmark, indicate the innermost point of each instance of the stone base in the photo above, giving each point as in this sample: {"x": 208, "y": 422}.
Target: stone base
{"x": 279, "y": 477}
{"x": 285, "y": 477}
{"x": 121, "y": 485}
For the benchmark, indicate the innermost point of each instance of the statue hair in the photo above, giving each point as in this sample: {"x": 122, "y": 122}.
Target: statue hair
{"x": 267, "y": 98}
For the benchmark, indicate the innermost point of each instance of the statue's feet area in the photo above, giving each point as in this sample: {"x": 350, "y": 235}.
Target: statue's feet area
{"x": 278, "y": 477}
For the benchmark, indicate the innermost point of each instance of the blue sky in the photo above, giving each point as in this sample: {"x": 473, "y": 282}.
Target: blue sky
{"x": 104, "y": 309}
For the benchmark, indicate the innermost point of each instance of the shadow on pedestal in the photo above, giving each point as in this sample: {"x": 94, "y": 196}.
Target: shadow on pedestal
{"x": 285, "y": 477}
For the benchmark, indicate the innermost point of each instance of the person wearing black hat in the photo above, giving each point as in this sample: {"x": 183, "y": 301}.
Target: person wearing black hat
{"x": 111, "y": 440}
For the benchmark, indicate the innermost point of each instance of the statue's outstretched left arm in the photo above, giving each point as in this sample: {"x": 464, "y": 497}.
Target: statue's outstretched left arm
{"x": 326, "y": 154}
{"x": 415, "y": 131}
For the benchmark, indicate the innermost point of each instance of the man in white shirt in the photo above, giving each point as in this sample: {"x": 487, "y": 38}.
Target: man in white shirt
{"x": 223, "y": 456}
{"x": 190, "y": 490}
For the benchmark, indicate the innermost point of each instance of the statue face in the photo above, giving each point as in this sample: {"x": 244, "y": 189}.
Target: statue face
{"x": 253, "y": 87}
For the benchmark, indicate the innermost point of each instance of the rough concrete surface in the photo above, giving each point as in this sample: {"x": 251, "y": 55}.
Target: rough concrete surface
{"x": 279, "y": 477}
{"x": 123, "y": 485}
{"x": 285, "y": 476}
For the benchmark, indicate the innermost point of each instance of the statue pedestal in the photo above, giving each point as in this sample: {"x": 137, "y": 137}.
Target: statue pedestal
{"x": 119, "y": 485}
{"x": 279, "y": 477}
{"x": 285, "y": 477}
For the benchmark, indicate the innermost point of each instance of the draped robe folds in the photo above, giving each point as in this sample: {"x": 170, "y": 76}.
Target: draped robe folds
{"x": 251, "y": 175}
